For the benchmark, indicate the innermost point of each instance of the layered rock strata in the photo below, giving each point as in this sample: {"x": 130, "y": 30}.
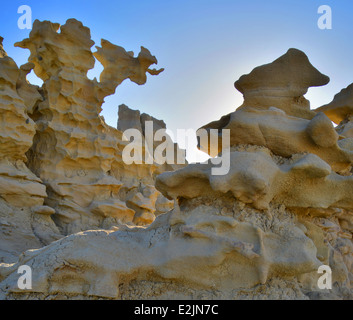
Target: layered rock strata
{"x": 25, "y": 221}
{"x": 74, "y": 151}
{"x": 261, "y": 231}
{"x": 61, "y": 166}
{"x": 340, "y": 111}
{"x": 279, "y": 84}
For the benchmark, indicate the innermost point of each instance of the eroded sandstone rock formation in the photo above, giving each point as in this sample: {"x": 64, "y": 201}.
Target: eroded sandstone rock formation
{"x": 24, "y": 219}
{"x": 341, "y": 107}
{"x": 340, "y": 111}
{"x": 133, "y": 119}
{"x": 59, "y": 161}
{"x": 260, "y": 231}
{"x": 74, "y": 150}
{"x": 282, "y": 84}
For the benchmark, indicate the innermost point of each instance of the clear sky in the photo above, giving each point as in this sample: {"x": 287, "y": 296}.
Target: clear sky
{"x": 204, "y": 46}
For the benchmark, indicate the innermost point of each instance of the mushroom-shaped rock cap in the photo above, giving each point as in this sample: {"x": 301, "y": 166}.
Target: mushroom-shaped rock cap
{"x": 290, "y": 75}
{"x": 340, "y": 107}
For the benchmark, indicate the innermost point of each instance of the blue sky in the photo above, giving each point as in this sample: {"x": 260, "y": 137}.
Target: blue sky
{"x": 204, "y": 46}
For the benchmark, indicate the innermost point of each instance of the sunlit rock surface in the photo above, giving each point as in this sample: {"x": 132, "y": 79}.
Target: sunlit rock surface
{"x": 260, "y": 231}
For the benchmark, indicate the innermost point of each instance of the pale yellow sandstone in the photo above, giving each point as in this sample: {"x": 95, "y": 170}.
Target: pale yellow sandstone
{"x": 260, "y": 231}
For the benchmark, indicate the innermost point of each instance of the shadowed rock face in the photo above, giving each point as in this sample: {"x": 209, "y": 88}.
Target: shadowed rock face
{"x": 260, "y": 231}
{"x": 284, "y": 135}
{"x": 2, "y": 51}
{"x": 289, "y": 75}
{"x": 254, "y": 178}
{"x": 133, "y": 119}
{"x": 271, "y": 116}
{"x": 282, "y": 84}
{"x": 341, "y": 107}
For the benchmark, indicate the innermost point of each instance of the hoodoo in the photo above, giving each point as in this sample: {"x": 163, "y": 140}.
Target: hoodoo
{"x": 262, "y": 230}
